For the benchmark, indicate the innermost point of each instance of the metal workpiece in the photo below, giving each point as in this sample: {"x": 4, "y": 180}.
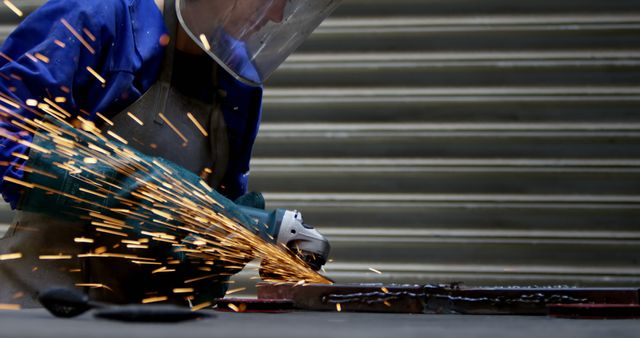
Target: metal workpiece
{"x": 443, "y": 299}
{"x": 371, "y": 297}
{"x": 518, "y": 300}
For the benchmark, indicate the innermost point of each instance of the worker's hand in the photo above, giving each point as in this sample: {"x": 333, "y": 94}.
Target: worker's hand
{"x": 252, "y": 199}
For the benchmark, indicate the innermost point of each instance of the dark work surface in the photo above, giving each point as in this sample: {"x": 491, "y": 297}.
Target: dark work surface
{"x": 38, "y": 323}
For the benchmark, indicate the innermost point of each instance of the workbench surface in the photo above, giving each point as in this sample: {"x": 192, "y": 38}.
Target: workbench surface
{"x": 39, "y": 323}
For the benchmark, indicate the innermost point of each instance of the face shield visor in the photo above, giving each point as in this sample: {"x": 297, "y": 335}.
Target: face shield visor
{"x": 251, "y": 38}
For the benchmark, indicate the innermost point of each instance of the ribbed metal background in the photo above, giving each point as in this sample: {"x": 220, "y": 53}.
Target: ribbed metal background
{"x": 489, "y": 142}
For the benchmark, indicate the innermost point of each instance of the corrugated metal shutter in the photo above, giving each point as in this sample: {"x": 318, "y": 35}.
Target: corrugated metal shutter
{"x": 488, "y": 142}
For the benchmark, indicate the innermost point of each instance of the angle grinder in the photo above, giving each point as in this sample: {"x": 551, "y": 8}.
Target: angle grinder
{"x": 288, "y": 228}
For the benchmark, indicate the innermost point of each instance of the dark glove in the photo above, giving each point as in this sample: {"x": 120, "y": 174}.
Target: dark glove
{"x": 252, "y": 199}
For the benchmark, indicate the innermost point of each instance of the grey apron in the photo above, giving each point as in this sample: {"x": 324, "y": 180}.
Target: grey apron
{"x": 158, "y": 125}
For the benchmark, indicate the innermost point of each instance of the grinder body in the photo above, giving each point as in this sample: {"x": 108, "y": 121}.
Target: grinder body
{"x": 287, "y": 227}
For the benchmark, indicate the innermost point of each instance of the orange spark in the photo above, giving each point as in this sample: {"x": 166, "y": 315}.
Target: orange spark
{"x": 197, "y": 124}
{"x": 10, "y": 307}
{"x": 13, "y": 8}
{"x": 42, "y": 58}
{"x": 135, "y": 118}
{"x": 6, "y": 257}
{"x": 107, "y": 231}
{"x": 22, "y": 156}
{"x": 154, "y": 299}
{"x": 199, "y": 279}
{"x": 55, "y": 257}
{"x": 117, "y": 137}
{"x": 96, "y": 75}
{"x": 200, "y": 306}
{"x": 184, "y": 139}
{"x": 164, "y": 40}
{"x": 205, "y": 42}
{"x": 89, "y": 35}
{"x": 18, "y": 182}
{"x": 162, "y": 269}
{"x": 232, "y": 291}
{"x": 78, "y": 36}
{"x": 94, "y": 286}
{"x": 182, "y": 290}
{"x": 6, "y": 57}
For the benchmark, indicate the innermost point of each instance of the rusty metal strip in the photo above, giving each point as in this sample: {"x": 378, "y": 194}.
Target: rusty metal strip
{"x": 356, "y": 298}
{"x": 441, "y": 299}
{"x": 518, "y": 301}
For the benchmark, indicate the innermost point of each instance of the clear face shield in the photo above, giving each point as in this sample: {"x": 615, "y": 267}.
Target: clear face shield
{"x": 251, "y": 38}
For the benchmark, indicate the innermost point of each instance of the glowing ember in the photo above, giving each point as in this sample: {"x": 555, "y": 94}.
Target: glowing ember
{"x": 96, "y": 75}
{"x": 183, "y": 290}
{"x": 13, "y": 7}
{"x": 205, "y": 42}
{"x": 78, "y": 36}
{"x": 89, "y": 34}
{"x": 154, "y": 299}
{"x": 41, "y": 58}
{"x": 201, "y": 306}
{"x": 197, "y": 124}
{"x": 135, "y": 118}
{"x": 10, "y": 307}
{"x": 10, "y": 256}
{"x": 175, "y": 130}
{"x": 232, "y": 291}
{"x": 376, "y": 271}
{"x": 94, "y": 286}
{"x": 55, "y": 257}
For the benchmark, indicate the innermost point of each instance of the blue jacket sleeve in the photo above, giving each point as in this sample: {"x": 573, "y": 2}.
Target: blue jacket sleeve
{"x": 47, "y": 57}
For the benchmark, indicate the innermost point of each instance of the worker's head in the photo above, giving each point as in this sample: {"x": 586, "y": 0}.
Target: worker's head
{"x": 251, "y": 38}
{"x": 246, "y": 17}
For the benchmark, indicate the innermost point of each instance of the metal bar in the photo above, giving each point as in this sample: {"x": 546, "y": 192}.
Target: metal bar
{"x": 441, "y": 299}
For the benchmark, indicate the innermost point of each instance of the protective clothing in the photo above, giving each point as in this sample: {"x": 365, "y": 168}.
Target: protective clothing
{"x": 179, "y": 119}
{"x": 251, "y": 38}
{"x": 120, "y": 42}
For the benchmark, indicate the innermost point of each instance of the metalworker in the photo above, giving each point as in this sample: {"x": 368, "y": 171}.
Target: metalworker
{"x": 136, "y": 68}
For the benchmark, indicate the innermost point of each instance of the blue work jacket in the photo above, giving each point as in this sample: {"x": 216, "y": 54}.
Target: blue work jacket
{"x": 49, "y": 56}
